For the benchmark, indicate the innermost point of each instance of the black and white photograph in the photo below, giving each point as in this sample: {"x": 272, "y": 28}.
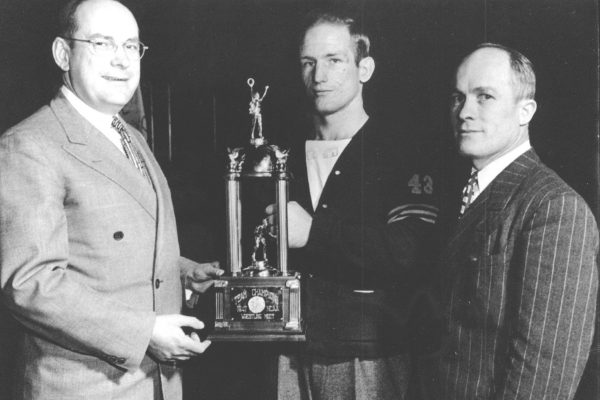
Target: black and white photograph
{"x": 299, "y": 199}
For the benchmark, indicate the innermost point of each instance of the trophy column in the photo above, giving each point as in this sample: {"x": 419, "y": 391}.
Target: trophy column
{"x": 234, "y": 216}
{"x": 281, "y": 197}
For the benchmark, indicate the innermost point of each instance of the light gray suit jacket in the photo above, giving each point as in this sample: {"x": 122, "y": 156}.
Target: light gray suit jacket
{"x": 89, "y": 256}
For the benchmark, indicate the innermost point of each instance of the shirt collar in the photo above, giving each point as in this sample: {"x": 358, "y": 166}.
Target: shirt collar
{"x": 99, "y": 120}
{"x": 486, "y": 175}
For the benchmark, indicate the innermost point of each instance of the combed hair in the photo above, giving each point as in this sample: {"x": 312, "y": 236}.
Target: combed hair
{"x": 340, "y": 17}
{"x": 522, "y": 68}
{"x": 67, "y": 22}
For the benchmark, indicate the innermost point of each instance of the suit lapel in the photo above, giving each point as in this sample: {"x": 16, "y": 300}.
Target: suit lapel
{"x": 94, "y": 150}
{"x": 488, "y": 205}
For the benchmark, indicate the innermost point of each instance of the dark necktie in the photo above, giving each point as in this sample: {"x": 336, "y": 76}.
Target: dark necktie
{"x": 469, "y": 192}
{"x": 131, "y": 151}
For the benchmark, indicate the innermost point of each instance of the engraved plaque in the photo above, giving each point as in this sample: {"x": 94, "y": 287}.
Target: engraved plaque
{"x": 256, "y": 304}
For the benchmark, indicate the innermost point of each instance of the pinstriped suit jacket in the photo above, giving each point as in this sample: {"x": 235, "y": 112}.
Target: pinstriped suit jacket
{"x": 520, "y": 288}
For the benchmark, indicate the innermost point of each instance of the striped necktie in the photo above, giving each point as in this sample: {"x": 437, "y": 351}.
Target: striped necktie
{"x": 131, "y": 151}
{"x": 469, "y": 190}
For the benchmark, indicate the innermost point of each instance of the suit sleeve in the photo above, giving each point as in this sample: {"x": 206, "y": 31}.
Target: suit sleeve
{"x": 36, "y": 278}
{"x": 554, "y": 318}
{"x": 386, "y": 238}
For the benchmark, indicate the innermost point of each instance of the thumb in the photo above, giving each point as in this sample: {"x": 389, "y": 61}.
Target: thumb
{"x": 192, "y": 322}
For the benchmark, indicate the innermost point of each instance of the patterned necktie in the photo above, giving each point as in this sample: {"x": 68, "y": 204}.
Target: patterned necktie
{"x": 131, "y": 151}
{"x": 469, "y": 192}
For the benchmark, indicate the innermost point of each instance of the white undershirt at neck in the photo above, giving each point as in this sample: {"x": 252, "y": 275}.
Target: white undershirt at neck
{"x": 321, "y": 156}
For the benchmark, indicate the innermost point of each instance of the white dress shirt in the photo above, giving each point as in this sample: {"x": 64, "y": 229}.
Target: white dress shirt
{"x": 486, "y": 175}
{"x": 99, "y": 120}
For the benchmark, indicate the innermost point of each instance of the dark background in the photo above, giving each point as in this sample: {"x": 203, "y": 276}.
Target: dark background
{"x": 203, "y": 51}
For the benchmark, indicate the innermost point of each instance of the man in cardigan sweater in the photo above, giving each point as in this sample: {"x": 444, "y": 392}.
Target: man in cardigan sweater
{"x": 361, "y": 211}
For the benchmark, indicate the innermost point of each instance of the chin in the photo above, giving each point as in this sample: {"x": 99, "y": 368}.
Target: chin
{"x": 466, "y": 150}
{"x": 325, "y": 110}
{"x": 120, "y": 99}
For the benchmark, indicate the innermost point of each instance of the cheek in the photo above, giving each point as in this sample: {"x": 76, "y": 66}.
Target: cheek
{"x": 340, "y": 76}
{"x": 306, "y": 78}
{"x": 135, "y": 80}
{"x": 453, "y": 115}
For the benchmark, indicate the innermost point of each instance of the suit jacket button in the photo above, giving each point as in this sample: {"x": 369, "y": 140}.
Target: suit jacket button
{"x": 473, "y": 259}
{"x": 324, "y": 205}
{"x": 118, "y": 235}
{"x": 337, "y": 172}
{"x": 157, "y": 283}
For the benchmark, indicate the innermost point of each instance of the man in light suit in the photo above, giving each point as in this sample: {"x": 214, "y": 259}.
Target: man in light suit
{"x": 89, "y": 254}
{"x": 520, "y": 266}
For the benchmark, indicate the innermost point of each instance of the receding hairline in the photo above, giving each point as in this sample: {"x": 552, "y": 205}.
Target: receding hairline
{"x": 522, "y": 73}
{"x": 70, "y": 14}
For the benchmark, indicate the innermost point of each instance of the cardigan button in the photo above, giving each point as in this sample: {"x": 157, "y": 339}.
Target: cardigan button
{"x": 337, "y": 172}
{"x": 157, "y": 283}
{"x": 324, "y": 205}
{"x": 118, "y": 235}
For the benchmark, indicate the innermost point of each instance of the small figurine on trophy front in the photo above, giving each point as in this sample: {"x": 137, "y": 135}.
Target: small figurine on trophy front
{"x": 254, "y": 110}
{"x": 260, "y": 259}
{"x": 260, "y": 243}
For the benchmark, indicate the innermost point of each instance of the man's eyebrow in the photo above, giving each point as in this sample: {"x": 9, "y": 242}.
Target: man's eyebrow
{"x": 338, "y": 54}
{"x": 480, "y": 89}
{"x": 108, "y": 37}
{"x": 328, "y": 55}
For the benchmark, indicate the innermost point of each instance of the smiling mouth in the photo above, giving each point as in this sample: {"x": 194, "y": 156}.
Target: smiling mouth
{"x": 115, "y": 79}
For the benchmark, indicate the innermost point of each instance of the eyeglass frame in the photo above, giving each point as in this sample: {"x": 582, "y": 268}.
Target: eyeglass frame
{"x": 114, "y": 46}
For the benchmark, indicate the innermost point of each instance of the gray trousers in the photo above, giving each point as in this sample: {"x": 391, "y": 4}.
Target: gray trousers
{"x": 302, "y": 377}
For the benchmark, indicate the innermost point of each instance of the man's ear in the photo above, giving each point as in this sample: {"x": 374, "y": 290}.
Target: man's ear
{"x": 527, "y": 108}
{"x": 61, "y": 51}
{"x": 366, "y": 66}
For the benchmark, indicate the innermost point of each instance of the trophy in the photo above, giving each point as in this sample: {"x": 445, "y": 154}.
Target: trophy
{"x": 256, "y": 299}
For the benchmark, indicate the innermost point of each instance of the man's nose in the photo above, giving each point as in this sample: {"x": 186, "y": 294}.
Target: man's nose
{"x": 466, "y": 109}
{"x": 120, "y": 57}
{"x": 320, "y": 72}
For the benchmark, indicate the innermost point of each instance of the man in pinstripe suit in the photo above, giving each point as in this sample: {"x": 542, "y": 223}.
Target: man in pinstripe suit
{"x": 520, "y": 266}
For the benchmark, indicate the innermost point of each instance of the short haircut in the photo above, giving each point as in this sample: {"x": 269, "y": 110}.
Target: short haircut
{"x": 67, "y": 21}
{"x": 344, "y": 18}
{"x": 522, "y": 68}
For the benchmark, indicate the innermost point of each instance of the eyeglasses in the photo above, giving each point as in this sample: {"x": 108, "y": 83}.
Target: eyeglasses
{"x": 107, "y": 47}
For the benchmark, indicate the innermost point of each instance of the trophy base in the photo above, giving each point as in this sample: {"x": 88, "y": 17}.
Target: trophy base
{"x": 260, "y": 269}
{"x": 258, "y": 309}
